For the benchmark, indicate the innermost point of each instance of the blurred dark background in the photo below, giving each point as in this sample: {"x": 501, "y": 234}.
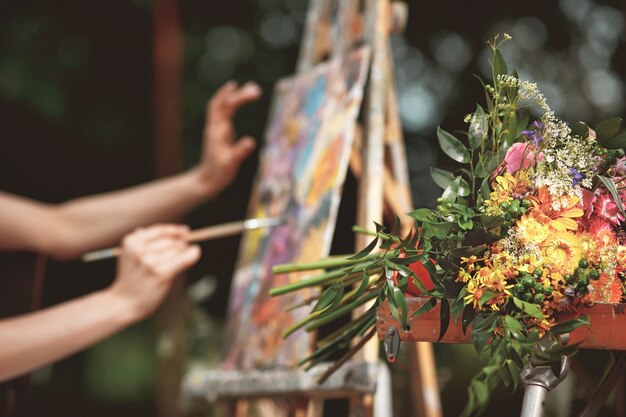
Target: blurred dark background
{"x": 77, "y": 117}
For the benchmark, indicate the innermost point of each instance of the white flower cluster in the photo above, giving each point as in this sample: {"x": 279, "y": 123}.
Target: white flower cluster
{"x": 565, "y": 158}
{"x": 517, "y": 248}
{"x": 528, "y": 92}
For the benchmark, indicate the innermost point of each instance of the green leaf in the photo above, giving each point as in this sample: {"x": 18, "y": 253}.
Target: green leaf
{"x": 523, "y": 117}
{"x": 515, "y": 327}
{"x": 570, "y": 325}
{"x": 363, "y": 253}
{"x": 362, "y": 287}
{"x": 580, "y": 129}
{"x": 468, "y": 317}
{"x": 490, "y": 221}
{"x": 514, "y": 370}
{"x": 426, "y": 307}
{"x": 456, "y": 308}
{"x": 444, "y": 178}
{"x": 423, "y": 215}
{"x": 444, "y": 318}
{"x": 486, "y": 297}
{"x": 511, "y": 134}
{"x": 331, "y": 297}
{"x": 615, "y": 142}
{"x": 528, "y": 308}
{"x": 452, "y": 147}
{"x": 485, "y": 167}
{"x": 478, "y": 129}
{"x": 438, "y": 230}
{"x": 607, "y": 129}
{"x": 485, "y": 191}
{"x": 610, "y": 185}
{"x": 499, "y": 65}
{"x": 430, "y": 268}
{"x": 452, "y": 191}
{"x": 467, "y": 251}
{"x": 466, "y": 224}
{"x": 555, "y": 364}
{"x": 479, "y": 339}
{"x": 481, "y": 390}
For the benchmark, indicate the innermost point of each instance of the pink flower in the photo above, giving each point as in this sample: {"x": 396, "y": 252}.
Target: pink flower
{"x": 520, "y": 156}
{"x": 605, "y": 207}
{"x": 588, "y": 202}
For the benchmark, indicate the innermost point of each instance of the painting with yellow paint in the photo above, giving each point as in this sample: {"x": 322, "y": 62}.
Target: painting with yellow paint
{"x": 302, "y": 170}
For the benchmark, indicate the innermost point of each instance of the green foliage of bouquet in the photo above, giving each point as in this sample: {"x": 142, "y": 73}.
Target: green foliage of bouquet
{"x": 529, "y": 225}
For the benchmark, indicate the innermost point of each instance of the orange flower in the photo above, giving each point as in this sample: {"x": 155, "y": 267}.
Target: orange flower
{"x": 562, "y": 219}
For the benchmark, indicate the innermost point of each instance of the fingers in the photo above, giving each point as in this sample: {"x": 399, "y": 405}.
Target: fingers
{"x": 243, "y": 148}
{"x": 144, "y": 235}
{"x": 161, "y": 249}
{"x": 177, "y": 262}
{"x": 229, "y": 98}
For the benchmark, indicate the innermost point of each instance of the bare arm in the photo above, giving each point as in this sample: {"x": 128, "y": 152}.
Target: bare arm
{"x": 67, "y": 230}
{"x": 151, "y": 259}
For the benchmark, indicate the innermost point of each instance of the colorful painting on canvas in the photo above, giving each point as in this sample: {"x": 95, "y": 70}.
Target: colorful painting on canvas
{"x": 302, "y": 169}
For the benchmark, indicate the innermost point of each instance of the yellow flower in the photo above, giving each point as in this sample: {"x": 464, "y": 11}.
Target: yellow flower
{"x": 474, "y": 293}
{"x": 471, "y": 262}
{"x": 463, "y": 276}
{"x": 532, "y": 231}
{"x": 562, "y": 251}
{"x": 504, "y": 187}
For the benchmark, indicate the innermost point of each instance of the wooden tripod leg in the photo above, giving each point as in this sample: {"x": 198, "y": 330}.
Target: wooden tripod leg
{"x": 426, "y": 400}
{"x": 615, "y": 374}
{"x": 315, "y": 407}
{"x": 241, "y": 408}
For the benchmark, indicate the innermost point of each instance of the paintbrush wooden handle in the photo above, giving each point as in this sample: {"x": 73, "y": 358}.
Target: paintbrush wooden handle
{"x": 214, "y": 232}
{"x": 198, "y": 235}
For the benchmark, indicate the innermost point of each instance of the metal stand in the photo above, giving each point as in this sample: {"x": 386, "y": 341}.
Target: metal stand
{"x": 539, "y": 379}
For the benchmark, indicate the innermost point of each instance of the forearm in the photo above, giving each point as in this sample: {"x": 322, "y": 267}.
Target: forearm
{"x": 33, "y": 340}
{"x": 101, "y": 220}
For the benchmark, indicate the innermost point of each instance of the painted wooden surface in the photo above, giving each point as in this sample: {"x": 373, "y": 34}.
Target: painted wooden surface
{"x": 607, "y": 330}
{"x": 354, "y": 378}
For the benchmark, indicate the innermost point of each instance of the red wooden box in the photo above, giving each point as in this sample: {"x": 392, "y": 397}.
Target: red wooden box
{"x": 607, "y": 329}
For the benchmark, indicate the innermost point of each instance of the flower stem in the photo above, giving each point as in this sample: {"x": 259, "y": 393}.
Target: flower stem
{"x": 333, "y": 262}
{"x": 341, "y": 311}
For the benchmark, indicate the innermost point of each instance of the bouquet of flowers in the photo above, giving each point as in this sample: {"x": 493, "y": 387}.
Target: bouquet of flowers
{"x": 529, "y": 225}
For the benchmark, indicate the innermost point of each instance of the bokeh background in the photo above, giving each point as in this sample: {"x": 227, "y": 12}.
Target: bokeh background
{"x": 77, "y": 117}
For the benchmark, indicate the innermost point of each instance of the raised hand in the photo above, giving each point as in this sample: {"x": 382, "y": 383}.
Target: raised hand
{"x": 222, "y": 153}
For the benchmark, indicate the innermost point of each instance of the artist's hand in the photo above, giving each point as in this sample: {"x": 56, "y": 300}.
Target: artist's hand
{"x": 223, "y": 153}
{"x": 150, "y": 261}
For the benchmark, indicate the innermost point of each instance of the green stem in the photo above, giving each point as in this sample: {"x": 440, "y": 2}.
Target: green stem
{"x": 341, "y": 311}
{"x": 314, "y": 281}
{"x": 315, "y": 314}
{"x": 382, "y": 236}
{"x": 346, "y": 328}
{"x": 333, "y": 262}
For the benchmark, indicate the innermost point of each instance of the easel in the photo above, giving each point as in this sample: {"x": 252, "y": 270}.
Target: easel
{"x": 379, "y": 162}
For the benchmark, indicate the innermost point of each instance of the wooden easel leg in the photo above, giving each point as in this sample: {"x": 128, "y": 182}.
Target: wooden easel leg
{"x": 615, "y": 374}
{"x": 362, "y": 406}
{"x": 620, "y": 399}
{"x": 426, "y": 400}
{"x": 383, "y": 404}
{"x": 242, "y": 408}
{"x": 315, "y": 408}
{"x": 274, "y": 408}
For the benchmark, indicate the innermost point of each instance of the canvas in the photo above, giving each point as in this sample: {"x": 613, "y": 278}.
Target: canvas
{"x": 302, "y": 170}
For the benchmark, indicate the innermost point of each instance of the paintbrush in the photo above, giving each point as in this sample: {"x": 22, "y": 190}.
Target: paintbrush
{"x": 199, "y": 235}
